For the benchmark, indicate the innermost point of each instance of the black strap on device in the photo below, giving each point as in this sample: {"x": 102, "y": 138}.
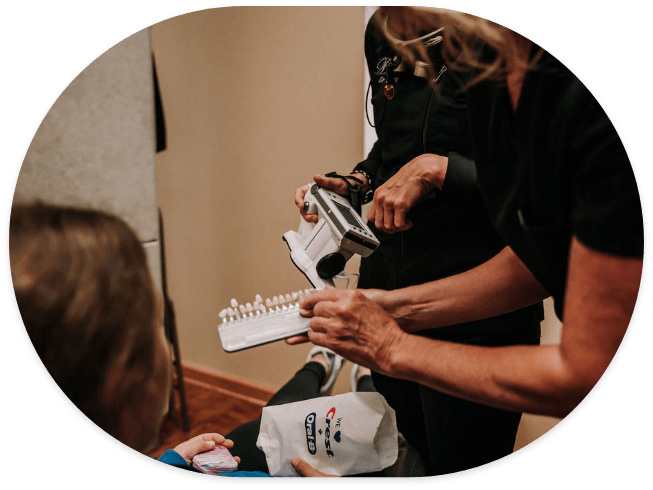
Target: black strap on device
{"x": 354, "y": 189}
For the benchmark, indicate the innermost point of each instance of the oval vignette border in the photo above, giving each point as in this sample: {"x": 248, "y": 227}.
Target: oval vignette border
{"x": 84, "y": 440}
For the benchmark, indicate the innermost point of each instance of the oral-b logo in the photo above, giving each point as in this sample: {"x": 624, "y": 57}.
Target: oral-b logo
{"x": 309, "y": 424}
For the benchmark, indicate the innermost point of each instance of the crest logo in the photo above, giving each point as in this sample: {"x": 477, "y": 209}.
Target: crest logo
{"x": 327, "y": 432}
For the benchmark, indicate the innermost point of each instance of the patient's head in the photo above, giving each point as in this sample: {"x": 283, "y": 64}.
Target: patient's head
{"x": 90, "y": 308}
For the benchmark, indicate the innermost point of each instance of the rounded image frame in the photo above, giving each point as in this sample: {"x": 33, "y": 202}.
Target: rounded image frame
{"x": 513, "y": 474}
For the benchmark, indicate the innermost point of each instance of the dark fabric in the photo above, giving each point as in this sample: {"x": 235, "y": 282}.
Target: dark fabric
{"x": 303, "y": 386}
{"x": 452, "y": 233}
{"x": 461, "y": 180}
{"x": 244, "y": 437}
{"x": 365, "y": 384}
{"x": 553, "y": 169}
{"x": 159, "y": 117}
{"x": 453, "y": 434}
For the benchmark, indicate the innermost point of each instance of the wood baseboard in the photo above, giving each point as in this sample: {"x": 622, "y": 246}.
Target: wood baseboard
{"x": 229, "y": 385}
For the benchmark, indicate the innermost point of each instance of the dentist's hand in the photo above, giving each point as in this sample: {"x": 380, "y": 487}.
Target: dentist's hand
{"x": 374, "y": 294}
{"x": 400, "y": 193}
{"x": 334, "y": 184}
{"x": 354, "y": 326}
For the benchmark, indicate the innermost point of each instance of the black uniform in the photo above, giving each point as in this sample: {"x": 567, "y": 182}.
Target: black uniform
{"x": 554, "y": 169}
{"x": 451, "y": 233}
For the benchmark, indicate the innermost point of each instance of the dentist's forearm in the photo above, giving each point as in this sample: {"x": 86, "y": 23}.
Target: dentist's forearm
{"x": 500, "y": 285}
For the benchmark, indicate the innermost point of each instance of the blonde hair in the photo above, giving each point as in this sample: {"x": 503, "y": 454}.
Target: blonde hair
{"x": 462, "y": 38}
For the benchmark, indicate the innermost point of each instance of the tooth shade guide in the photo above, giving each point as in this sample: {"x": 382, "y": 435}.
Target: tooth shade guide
{"x": 281, "y": 303}
{"x": 266, "y": 325}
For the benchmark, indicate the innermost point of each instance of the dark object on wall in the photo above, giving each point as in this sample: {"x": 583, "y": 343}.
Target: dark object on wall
{"x": 170, "y": 326}
{"x": 159, "y": 116}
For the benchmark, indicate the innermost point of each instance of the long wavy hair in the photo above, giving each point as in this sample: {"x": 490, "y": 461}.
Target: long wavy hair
{"x": 463, "y": 37}
{"x": 88, "y": 303}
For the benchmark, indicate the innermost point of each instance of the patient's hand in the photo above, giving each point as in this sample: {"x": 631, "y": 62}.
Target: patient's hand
{"x": 305, "y": 469}
{"x": 202, "y": 443}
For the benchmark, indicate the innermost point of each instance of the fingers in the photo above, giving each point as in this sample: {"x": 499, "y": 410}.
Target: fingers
{"x": 389, "y": 217}
{"x": 305, "y": 469}
{"x": 400, "y": 221}
{"x": 330, "y": 302}
{"x": 299, "y": 202}
{"x": 371, "y": 214}
{"x": 237, "y": 459}
{"x": 320, "y": 337}
{"x": 309, "y": 301}
{"x": 199, "y": 444}
{"x": 399, "y": 218}
{"x": 336, "y": 185}
{"x": 384, "y": 214}
{"x": 307, "y": 313}
{"x": 299, "y": 195}
{"x": 214, "y": 437}
{"x": 297, "y": 339}
{"x": 309, "y": 218}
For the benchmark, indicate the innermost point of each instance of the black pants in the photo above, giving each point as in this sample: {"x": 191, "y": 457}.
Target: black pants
{"x": 303, "y": 386}
{"x": 453, "y": 434}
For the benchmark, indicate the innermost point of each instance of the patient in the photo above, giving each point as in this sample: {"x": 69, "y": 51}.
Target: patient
{"x": 90, "y": 308}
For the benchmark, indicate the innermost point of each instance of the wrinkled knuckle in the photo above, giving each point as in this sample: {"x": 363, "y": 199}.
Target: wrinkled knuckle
{"x": 342, "y": 307}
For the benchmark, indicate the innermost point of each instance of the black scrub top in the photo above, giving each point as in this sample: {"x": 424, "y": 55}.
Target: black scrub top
{"x": 451, "y": 232}
{"x": 553, "y": 169}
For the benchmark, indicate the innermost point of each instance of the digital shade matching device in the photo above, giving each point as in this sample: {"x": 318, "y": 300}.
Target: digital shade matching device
{"x": 320, "y": 252}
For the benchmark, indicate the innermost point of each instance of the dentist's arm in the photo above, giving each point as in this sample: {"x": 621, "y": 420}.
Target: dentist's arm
{"x": 550, "y": 380}
{"x": 498, "y": 286}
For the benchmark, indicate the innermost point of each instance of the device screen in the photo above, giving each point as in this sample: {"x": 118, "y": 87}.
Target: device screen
{"x": 348, "y": 214}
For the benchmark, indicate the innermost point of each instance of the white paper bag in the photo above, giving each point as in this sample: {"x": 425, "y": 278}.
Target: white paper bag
{"x": 338, "y": 435}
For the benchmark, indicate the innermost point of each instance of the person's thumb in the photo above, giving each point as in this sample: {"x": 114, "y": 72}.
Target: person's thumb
{"x": 305, "y": 469}
{"x": 336, "y": 185}
{"x": 197, "y": 447}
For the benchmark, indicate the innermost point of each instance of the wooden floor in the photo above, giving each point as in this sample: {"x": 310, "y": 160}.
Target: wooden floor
{"x": 214, "y": 404}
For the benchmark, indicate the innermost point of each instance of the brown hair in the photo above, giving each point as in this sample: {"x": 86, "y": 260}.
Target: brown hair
{"x": 87, "y": 300}
{"x": 463, "y": 34}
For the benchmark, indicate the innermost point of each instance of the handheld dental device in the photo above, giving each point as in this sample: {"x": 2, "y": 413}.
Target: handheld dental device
{"x": 322, "y": 251}
{"x": 258, "y": 323}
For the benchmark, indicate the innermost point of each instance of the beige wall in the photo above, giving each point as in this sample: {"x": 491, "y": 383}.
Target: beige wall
{"x": 533, "y": 426}
{"x": 256, "y": 100}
